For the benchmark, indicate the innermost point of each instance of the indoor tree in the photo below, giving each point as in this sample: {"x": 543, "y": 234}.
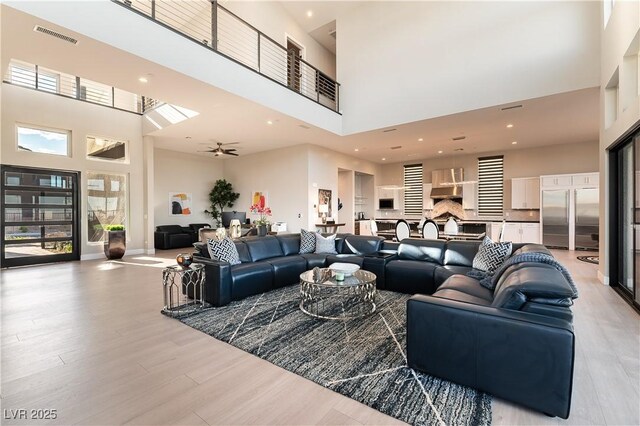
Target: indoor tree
{"x": 221, "y": 196}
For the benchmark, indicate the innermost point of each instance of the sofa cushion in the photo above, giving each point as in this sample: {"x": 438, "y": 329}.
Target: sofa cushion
{"x": 491, "y": 255}
{"x": 460, "y": 253}
{"x": 461, "y": 296}
{"x": 287, "y": 270}
{"x": 248, "y": 279}
{"x": 261, "y": 248}
{"x": 410, "y": 276}
{"x": 326, "y": 245}
{"x": 467, "y": 285}
{"x": 315, "y": 260}
{"x": 523, "y": 282}
{"x": 361, "y": 244}
{"x": 425, "y": 250}
{"x": 345, "y": 258}
{"x": 243, "y": 251}
{"x": 223, "y": 250}
{"x": 289, "y": 243}
{"x": 307, "y": 242}
{"x": 170, "y": 229}
{"x": 443, "y": 272}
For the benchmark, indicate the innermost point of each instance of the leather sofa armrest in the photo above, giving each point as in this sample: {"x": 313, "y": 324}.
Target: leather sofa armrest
{"x": 217, "y": 280}
{"x": 378, "y": 266}
{"x": 522, "y": 357}
{"x": 161, "y": 240}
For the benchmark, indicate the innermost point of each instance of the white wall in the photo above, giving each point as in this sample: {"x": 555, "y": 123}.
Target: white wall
{"x": 273, "y": 20}
{"x": 282, "y": 173}
{"x": 20, "y": 105}
{"x": 405, "y": 61}
{"x": 178, "y": 172}
{"x": 619, "y": 44}
{"x": 323, "y": 174}
{"x": 346, "y": 193}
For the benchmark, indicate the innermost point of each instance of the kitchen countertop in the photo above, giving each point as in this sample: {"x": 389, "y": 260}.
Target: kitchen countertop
{"x": 441, "y": 221}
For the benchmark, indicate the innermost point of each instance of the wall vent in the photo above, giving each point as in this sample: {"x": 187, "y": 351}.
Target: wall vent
{"x": 55, "y": 34}
{"x": 303, "y": 126}
{"x": 459, "y": 138}
{"x": 389, "y": 130}
{"x": 396, "y": 147}
{"x": 511, "y": 107}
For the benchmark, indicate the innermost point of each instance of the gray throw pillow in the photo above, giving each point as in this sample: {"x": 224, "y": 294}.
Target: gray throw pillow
{"x": 326, "y": 245}
{"x": 307, "y": 242}
{"x": 223, "y": 250}
{"x": 491, "y": 255}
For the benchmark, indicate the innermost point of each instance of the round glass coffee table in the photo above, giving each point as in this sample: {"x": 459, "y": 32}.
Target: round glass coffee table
{"x": 355, "y": 297}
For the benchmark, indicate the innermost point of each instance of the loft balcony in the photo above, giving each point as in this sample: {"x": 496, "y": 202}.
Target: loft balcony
{"x": 220, "y": 31}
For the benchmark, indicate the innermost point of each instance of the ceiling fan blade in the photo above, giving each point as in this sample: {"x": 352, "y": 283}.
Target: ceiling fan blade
{"x": 211, "y": 150}
{"x": 231, "y": 149}
{"x": 231, "y": 153}
{"x": 229, "y": 143}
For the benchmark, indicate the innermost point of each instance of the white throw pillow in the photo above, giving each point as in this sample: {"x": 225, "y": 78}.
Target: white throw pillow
{"x": 326, "y": 245}
{"x": 223, "y": 250}
{"x": 491, "y": 255}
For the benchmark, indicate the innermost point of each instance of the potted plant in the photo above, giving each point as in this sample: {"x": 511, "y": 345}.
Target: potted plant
{"x": 115, "y": 241}
{"x": 261, "y": 223}
{"x": 221, "y": 196}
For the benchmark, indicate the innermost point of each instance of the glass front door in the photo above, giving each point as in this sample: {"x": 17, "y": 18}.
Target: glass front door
{"x": 39, "y": 216}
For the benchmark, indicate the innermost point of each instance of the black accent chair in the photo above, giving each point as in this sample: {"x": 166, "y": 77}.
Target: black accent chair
{"x": 172, "y": 236}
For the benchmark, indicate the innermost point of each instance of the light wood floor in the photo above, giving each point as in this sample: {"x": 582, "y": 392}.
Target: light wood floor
{"x": 87, "y": 339}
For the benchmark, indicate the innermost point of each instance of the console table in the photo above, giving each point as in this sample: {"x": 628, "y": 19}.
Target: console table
{"x": 330, "y": 228}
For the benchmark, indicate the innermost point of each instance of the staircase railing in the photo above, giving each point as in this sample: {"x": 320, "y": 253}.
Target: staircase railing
{"x": 214, "y": 27}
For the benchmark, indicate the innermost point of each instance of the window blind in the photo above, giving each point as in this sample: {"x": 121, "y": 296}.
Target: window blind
{"x": 490, "y": 185}
{"x": 413, "y": 189}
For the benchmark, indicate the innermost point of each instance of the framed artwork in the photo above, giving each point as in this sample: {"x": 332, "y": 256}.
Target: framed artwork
{"x": 179, "y": 204}
{"x": 324, "y": 199}
{"x": 261, "y": 198}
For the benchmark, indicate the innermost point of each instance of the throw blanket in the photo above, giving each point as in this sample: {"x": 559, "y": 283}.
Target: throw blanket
{"x": 490, "y": 280}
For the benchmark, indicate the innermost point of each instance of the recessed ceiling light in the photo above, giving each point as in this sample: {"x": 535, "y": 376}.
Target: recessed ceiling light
{"x": 509, "y": 126}
{"x": 420, "y": 139}
{"x": 383, "y": 159}
{"x": 356, "y": 150}
{"x": 309, "y": 13}
{"x": 439, "y": 152}
{"x": 514, "y": 143}
{"x": 269, "y": 122}
{"x": 143, "y": 80}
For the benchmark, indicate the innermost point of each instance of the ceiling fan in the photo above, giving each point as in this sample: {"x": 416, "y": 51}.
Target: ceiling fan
{"x": 221, "y": 151}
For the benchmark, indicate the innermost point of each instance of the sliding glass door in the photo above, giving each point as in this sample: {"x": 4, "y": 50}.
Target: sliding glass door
{"x": 39, "y": 216}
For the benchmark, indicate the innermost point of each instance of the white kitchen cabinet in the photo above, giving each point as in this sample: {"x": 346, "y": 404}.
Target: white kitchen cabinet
{"x": 525, "y": 193}
{"x": 517, "y": 232}
{"x": 469, "y": 196}
{"x": 427, "y": 201}
{"x": 365, "y": 227}
{"x": 495, "y": 231}
{"x": 555, "y": 181}
{"x": 512, "y": 232}
{"x": 586, "y": 179}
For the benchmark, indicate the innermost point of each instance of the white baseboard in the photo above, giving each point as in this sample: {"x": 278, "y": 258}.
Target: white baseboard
{"x": 151, "y": 251}
{"x": 603, "y": 278}
{"x": 96, "y": 256}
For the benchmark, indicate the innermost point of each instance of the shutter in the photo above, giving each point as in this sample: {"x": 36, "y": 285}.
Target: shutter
{"x": 413, "y": 189}
{"x": 490, "y": 186}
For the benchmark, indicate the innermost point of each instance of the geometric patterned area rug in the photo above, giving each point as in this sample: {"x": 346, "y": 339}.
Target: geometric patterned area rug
{"x": 590, "y": 259}
{"x": 363, "y": 359}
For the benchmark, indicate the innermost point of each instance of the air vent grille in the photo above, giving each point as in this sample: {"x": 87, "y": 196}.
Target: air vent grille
{"x": 55, "y": 34}
{"x": 396, "y": 147}
{"x": 459, "y": 138}
{"x": 511, "y": 107}
{"x": 389, "y": 130}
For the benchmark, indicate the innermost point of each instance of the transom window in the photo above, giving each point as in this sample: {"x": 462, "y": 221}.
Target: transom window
{"x": 99, "y": 148}
{"x": 45, "y": 141}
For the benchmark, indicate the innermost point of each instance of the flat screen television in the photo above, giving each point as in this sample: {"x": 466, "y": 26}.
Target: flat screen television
{"x": 385, "y": 204}
{"x": 227, "y": 217}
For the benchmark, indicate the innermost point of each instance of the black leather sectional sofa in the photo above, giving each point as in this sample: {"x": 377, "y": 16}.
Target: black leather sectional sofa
{"x": 175, "y": 236}
{"x": 515, "y": 342}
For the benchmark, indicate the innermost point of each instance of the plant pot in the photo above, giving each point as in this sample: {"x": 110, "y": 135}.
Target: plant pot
{"x": 262, "y": 230}
{"x": 115, "y": 244}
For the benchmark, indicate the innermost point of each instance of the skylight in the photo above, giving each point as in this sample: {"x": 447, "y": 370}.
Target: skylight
{"x": 175, "y": 114}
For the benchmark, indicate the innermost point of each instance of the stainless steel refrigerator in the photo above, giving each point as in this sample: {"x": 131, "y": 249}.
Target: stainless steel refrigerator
{"x": 555, "y": 218}
{"x": 570, "y": 218}
{"x": 586, "y": 222}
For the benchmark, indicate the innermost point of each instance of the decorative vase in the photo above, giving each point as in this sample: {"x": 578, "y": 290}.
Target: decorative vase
{"x": 235, "y": 228}
{"x": 262, "y": 230}
{"x": 115, "y": 244}
{"x": 184, "y": 260}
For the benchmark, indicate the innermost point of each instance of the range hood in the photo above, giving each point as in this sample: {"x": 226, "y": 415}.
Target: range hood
{"x": 445, "y": 184}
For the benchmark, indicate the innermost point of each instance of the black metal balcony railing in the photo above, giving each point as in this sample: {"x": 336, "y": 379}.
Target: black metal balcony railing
{"x": 217, "y": 29}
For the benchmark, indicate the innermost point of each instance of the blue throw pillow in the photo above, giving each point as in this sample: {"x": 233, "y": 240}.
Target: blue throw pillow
{"x": 307, "y": 242}
{"x": 491, "y": 255}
